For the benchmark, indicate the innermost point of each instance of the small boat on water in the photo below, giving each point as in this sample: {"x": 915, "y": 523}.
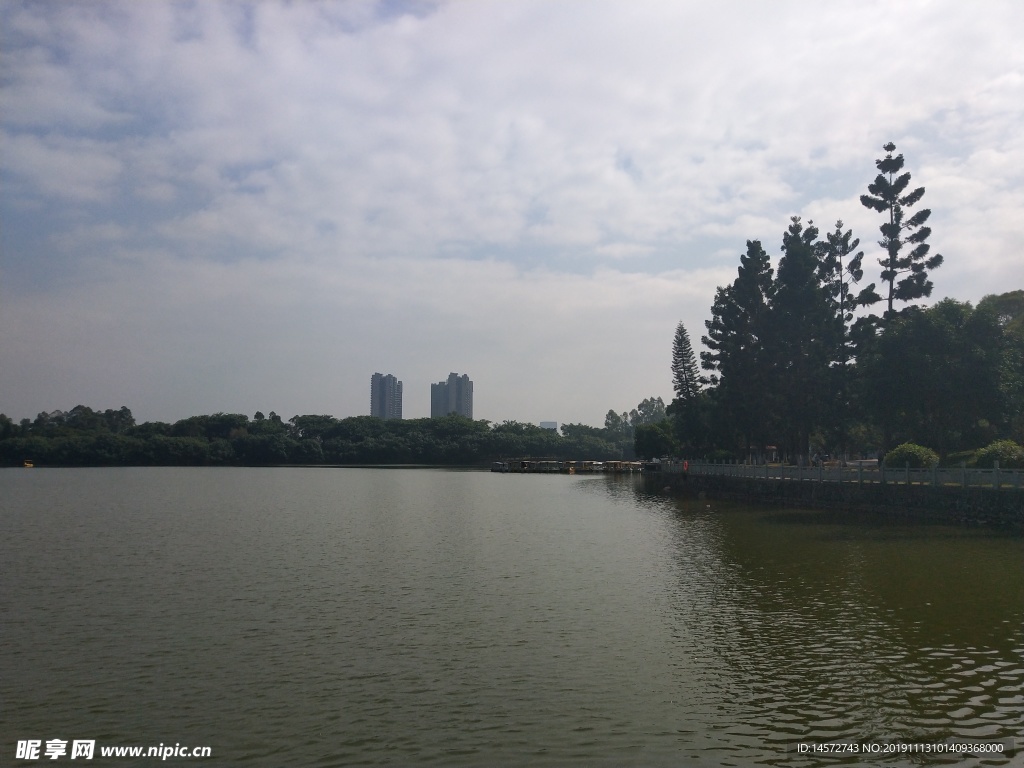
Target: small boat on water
{"x": 28, "y": 463}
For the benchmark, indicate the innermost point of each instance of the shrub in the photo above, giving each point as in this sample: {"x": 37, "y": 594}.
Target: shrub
{"x": 1008, "y": 453}
{"x": 720, "y": 455}
{"x": 916, "y": 456}
{"x": 968, "y": 458}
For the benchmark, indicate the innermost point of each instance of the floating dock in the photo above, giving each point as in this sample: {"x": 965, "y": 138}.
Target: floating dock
{"x": 560, "y": 466}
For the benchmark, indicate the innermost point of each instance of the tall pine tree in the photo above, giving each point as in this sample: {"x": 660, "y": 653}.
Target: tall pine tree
{"x": 904, "y": 274}
{"x": 685, "y": 379}
{"x": 841, "y": 268}
{"x": 735, "y": 356}
{"x": 685, "y": 409}
{"x": 804, "y": 339}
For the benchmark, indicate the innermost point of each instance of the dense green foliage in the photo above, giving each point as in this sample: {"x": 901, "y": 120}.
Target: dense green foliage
{"x": 654, "y": 440}
{"x": 933, "y": 377}
{"x": 911, "y": 455}
{"x": 1008, "y": 309}
{"x": 83, "y": 437}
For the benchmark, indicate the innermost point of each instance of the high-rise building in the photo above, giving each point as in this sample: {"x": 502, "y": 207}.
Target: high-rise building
{"x": 385, "y": 396}
{"x": 452, "y": 396}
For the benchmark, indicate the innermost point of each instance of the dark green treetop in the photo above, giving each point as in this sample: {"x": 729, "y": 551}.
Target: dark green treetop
{"x": 650, "y": 410}
{"x": 1009, "y": 310}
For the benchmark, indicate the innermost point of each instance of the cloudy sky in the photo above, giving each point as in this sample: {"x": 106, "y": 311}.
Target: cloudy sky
{"x": 241, "y": 206}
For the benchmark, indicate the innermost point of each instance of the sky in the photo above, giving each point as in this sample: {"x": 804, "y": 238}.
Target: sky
{"x": 241, "y": 206}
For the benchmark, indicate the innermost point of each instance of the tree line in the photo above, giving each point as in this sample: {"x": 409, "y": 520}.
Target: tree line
{"x": 800, "y": 361}
{"x": 86, "y": 437}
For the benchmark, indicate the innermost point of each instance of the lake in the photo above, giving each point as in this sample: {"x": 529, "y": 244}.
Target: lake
{"x": 344, "y": 617}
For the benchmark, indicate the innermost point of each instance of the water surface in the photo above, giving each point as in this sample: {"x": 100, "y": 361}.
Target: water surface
{"x": 339, "y": 617}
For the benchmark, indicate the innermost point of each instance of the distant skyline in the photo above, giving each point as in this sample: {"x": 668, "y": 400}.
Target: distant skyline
{"x": 228, "y": 206}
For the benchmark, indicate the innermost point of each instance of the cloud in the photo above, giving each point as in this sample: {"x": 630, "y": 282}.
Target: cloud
{"x": 78, "y": 170}
{"x": 307, "y": 191}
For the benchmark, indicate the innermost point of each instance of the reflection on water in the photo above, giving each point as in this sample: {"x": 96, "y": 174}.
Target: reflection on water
{"x": 358, "y": 617}
{"x": 830, "y": 628}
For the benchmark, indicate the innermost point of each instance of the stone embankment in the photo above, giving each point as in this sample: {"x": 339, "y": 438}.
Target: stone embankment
{"x": 1002, "y": 507}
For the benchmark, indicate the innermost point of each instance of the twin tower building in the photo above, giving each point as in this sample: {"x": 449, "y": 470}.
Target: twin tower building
{"x": 452, "y": 396}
